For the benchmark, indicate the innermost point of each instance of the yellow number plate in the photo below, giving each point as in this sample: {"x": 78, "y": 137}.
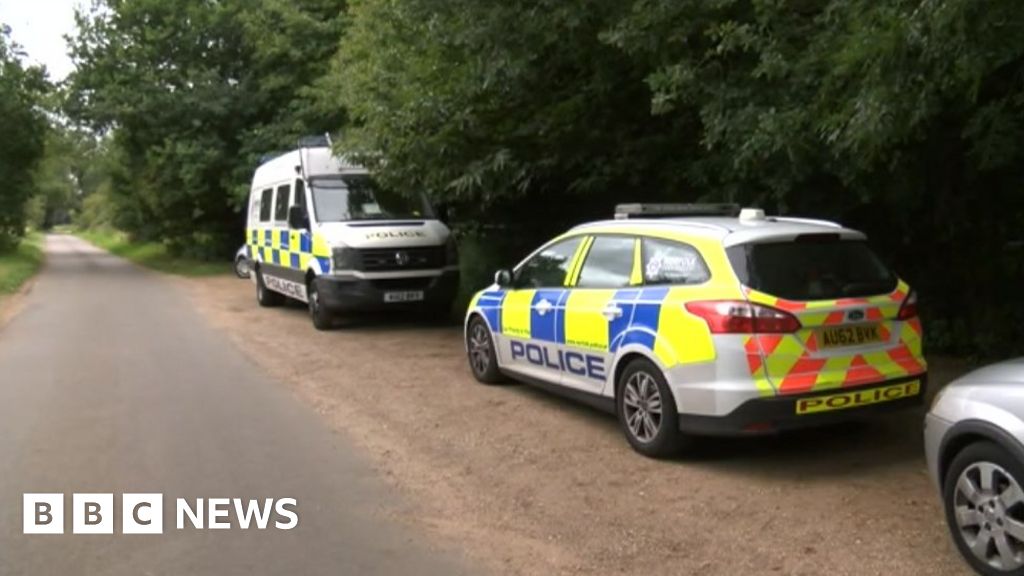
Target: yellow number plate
{"x": 838, "y": 336}
{"x": 858, "y": 398}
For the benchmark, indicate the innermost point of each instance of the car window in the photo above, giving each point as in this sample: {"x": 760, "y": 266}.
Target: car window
{"x": 266, "y": 204}
{"x": 281, "y": 204}
{"x": 668, "y": 262}
{"x": 609, "y": 263}
{"x": 813, "y": 267}
{"x": 549, "y": 267}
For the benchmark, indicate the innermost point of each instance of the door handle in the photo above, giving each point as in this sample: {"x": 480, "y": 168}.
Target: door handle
{"x": 612, "y": 312}
{"x": 543, "y": 307}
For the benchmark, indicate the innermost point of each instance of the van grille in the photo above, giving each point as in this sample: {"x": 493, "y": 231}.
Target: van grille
{"x": 393, "y": 259}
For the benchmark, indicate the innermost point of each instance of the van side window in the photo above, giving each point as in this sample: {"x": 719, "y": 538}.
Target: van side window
{"x": 254, "y": 209}
{"x": 266, "y": 204}
{"x": 299, "y": 197}
{"x": 281, "y": 204}
{"x": 667, "y": 262}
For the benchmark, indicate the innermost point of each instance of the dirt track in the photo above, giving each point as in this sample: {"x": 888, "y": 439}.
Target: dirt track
{"x": 531, "y": 484}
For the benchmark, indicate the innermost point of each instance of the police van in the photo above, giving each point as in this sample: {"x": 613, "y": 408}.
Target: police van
{"x": 321, "y": 231}
{"x": 693, "y": 319}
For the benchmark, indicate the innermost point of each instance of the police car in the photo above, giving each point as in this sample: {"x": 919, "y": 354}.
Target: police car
{"x": 322, "y": 232}
{"x": 691, "y": 320}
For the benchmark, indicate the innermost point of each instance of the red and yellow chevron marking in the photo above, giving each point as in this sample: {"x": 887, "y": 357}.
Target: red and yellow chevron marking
{"x": 795, "y": 363}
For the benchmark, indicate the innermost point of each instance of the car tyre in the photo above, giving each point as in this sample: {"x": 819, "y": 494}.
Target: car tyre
{"x": 267, "y": 298}
{"x": 986, "y": 524}
{"x": 483, "y": 361}
{"x": 647, "y": 411}
{"x": 322, "y": 318}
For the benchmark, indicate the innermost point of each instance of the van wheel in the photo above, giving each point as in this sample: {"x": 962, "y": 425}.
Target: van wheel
{"x": 242, "y": 267}
{"x": 480, "y": 349}
{"x": 266, "y": 297}
{"x": 322, "y": 318}
{"x": 647, "y": 411}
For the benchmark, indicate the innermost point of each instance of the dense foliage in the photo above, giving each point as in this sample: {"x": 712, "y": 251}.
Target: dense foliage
{"x": 895, "y": 116}
{"x": 21, "y": 147}
{"x": 190, "y": 95}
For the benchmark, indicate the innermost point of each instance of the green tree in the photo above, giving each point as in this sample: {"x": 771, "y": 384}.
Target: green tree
{"x": 191, "y": 94}
{"x": 21, "y": 91}
{"x": 504, "y": 107}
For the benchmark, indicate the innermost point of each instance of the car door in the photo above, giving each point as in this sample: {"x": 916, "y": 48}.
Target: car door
{"x": 531, "y": 336}
{"x": 599, "y": 307}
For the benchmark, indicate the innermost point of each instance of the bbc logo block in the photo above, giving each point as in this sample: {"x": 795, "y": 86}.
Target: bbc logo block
{"x": 43, "y": 513}
{"x": 93, "y": 514}
{"x": 144, "y": 513}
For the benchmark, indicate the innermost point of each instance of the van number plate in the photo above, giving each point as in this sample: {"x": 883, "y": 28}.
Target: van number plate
{"x": 410, "y": 296}
{"x": 849, "y": 335}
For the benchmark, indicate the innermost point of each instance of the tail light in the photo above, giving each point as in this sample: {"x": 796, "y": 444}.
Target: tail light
{"x": 909, "y": 308}
{"x": 740, "y": 317}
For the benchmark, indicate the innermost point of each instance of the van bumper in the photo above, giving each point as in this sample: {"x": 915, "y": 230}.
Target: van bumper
{"x": 349, "y": 294}
{"x": 779, "y": 413}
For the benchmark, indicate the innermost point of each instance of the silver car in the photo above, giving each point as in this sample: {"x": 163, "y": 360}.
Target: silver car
{"x": 974, "y": 444}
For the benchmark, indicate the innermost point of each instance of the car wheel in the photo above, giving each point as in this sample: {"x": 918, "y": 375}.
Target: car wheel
{"x": 266, "y": 297}
{"x": 242, "y": 267}
{"x": 647, "y": 411}
{"x": 984, "y": 504}
{"x": 480, "y": 349}
{"x": 321, "y": 316}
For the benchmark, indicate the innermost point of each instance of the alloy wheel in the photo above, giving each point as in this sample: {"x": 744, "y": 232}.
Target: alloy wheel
{"x": 479, "y": 348}
{"x": 642, "y": 406}
{"x": 989, "y": 507}
{"x": 314, "y": 299}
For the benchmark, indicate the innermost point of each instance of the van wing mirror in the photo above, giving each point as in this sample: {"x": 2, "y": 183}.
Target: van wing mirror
{"x": 298, "y": 218}
{"x": 503, "y": 278}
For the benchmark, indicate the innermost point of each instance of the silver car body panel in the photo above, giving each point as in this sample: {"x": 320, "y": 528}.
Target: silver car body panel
{"x": 992, "y": 396}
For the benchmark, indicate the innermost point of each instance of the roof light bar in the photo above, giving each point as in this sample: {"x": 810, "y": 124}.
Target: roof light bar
{"x": 627, "y": 211}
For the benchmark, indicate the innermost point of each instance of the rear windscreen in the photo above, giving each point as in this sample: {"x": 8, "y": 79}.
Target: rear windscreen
{"x": 813, "y": 267}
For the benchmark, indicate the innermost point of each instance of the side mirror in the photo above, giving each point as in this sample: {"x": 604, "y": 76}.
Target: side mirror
{"x": 443, "y": 212}
{"x": 297, "y": 218}
{"x": 503, "y": 278}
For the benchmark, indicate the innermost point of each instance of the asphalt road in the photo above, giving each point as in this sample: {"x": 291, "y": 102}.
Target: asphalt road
{"x": 111, "y": 383}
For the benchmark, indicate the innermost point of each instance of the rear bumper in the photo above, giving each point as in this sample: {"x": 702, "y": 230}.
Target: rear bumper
{"x": 779, "y": 413}
{"x": 361, "y": 295}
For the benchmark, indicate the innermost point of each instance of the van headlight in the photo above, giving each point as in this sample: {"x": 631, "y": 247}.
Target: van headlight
{"x": 451, "y": 251}
{"x": 344, "y": 258}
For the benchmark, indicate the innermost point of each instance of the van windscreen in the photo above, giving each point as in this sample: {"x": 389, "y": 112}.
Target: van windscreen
{"x": 360, "y": 198}
{"x": 820, "y": 268}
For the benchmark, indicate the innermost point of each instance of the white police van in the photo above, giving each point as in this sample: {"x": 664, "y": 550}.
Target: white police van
{"x": 321, "y": 231}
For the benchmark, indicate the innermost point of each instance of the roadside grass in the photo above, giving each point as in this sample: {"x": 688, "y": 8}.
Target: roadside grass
{"x": 151, "y": 254}
{"x": 18, "y": 266}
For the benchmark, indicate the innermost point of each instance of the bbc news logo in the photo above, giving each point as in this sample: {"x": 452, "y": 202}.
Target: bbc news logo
{"x": 144, "y": 513}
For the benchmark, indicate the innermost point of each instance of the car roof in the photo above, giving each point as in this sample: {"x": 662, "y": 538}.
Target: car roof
{"x": 730, "y": 231}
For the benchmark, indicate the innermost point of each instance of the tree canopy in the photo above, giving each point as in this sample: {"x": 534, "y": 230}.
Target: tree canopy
{"x": 21, "y": 148}
{"x": 190, "y": 95}
{"x": 895, "y": 116}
